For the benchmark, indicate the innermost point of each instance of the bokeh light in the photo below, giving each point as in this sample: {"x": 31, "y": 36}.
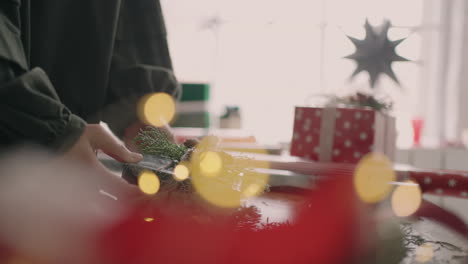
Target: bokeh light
{"x": 222, "y": 179}
{"x": 208, "y": 143}
{"x": 373, "y": 177}
{"x": 406, "y": 199}
{"x": 424, "y": 253}
{"x": 210, "y": 163}
{"x": 156, "y": 109}
{"x": 148, "y": 182}
{"x": 256, "y": 157}
{"x": 181, "y": 172}
{"x": 148, "y": 219}
{"x": 253, "y": 190}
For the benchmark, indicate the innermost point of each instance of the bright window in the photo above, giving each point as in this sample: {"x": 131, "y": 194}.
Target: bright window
{"x": 268, "y": 56}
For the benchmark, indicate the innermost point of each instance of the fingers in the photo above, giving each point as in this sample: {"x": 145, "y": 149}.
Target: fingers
{"x": 104, "y": 140}
{"x": 81, "y": 152}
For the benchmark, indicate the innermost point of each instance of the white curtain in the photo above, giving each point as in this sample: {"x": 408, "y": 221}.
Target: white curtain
{"x": 446, "y": 70}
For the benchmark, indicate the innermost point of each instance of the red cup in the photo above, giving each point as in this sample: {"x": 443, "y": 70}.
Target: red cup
{"x": 418, "y": 124}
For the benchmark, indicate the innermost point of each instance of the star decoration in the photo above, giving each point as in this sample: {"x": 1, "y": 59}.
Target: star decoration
{"x": 376, "y": 53}
{"x": 427, "y": 180}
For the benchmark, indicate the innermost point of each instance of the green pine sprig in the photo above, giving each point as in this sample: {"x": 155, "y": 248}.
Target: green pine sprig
{"x": 153, "y": 141}
{"x": 362, "y": 100}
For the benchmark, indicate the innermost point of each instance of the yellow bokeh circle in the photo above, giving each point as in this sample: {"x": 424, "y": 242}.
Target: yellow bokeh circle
{"x": 250, "y": 157}
{"x": 222, "y": 179}
{"x": 373, "y": 177}
{"x": 181, "y": 172}
{"x": 156, "y": 109}
{"x": 253, "y": 190}
{"x": 148, "y": 182}
{"x": 406, "y": 199}
{"x": 211, "y": 163}
{"x": 424, "y": 253}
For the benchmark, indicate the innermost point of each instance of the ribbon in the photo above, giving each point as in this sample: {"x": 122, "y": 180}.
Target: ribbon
{"x": 327, "y": 129}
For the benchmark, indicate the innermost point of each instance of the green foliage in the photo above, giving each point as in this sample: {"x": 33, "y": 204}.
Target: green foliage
{"x": 153, "y": 141}
{"x": 411, "y": 240}
{"x": 362, "y": 100}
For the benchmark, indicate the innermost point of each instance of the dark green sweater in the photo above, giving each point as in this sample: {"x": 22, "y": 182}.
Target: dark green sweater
{"x": 65, "y": 61}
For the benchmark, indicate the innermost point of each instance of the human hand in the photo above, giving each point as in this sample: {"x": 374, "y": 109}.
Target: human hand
{"x": 96, "y": 137}
{"x": 46, "y": 200}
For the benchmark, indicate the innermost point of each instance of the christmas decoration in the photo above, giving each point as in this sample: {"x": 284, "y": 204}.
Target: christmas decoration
{"x": 361, "y": 100}
{"x": 153, "y": 141}
{"x": 164, "y": 155}
{"x": 341, "y": 134}
{"x": 193, "y": 106}
{"x": 422, "y": 249}
{"x": 191, "y": 171}
{"x": 376, "y": 53}
{"x": 439, "y": 182}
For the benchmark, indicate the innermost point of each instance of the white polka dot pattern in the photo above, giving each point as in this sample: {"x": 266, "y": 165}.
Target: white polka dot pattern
{"x": 347, "y": 143}
{"x": 352, "y": 137}
{"x": 447, "y": 183}
{"x": 427, "y": 180}
{"x": 363, "y": 136}
{"x": 296, "y": 136}
{"x": 452, "y": 183}
{"x": 347, "y": 125}
{"x": 299, "y": 114}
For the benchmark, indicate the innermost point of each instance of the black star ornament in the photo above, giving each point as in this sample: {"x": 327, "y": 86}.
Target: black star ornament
{"x": 376, "y": 53}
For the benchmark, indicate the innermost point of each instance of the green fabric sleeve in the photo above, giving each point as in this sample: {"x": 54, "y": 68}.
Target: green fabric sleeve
{"x": 30, "y": 110}
{"x": 11, "y": 47}
{"x": 141, "y": 62}
{"x": 142, "y": 79}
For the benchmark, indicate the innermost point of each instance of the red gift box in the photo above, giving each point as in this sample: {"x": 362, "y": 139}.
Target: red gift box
{"x": 439, "y": 182}
{"x": 341, "y": 134}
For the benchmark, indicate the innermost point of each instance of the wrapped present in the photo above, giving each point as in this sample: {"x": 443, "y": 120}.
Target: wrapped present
{"x": 439, "y": 182}
{"x": 193, "y": 107}
{"x": 341, "y": 134}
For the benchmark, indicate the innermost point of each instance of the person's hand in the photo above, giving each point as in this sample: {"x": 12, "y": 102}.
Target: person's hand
{"x": 96, "y": 137}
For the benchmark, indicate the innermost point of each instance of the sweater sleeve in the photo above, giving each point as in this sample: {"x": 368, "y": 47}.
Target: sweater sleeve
{"x": 30, "y": 109}
{"x": 141, "y": 62}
